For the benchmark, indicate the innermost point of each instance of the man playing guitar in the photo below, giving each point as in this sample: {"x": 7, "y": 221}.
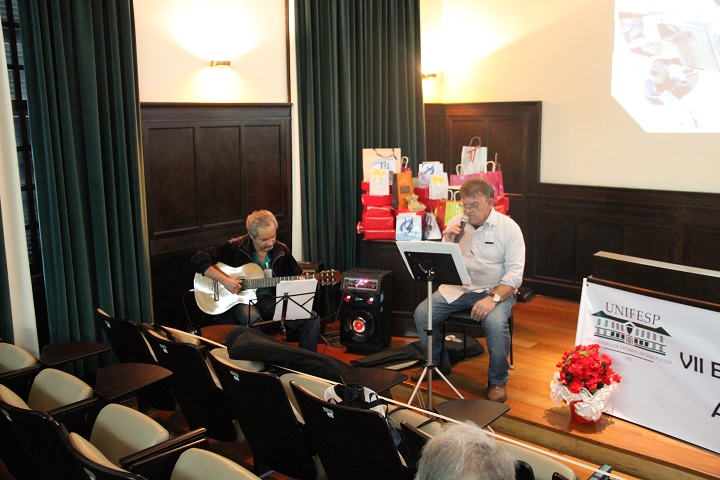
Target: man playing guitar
{"x": 260, "y": 248}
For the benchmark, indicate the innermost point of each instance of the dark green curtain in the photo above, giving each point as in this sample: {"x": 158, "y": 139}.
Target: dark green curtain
{"x": 85, "y": 130}
{"x": 359, "y": 86}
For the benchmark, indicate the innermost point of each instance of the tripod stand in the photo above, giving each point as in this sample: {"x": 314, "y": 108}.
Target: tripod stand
{"x": 430, "y": 367}
{"x": 428, "y": 261}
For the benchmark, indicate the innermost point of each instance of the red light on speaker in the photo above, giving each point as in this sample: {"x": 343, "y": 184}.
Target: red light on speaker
{"x": 358, "y": 325}
{"x": 348, "y": 298}
{"x": 370, "y": 299}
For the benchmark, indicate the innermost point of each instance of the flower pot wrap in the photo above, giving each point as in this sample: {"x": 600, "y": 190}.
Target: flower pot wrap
{"x": 586, "y": 379}
{"x": 589, "y": 405}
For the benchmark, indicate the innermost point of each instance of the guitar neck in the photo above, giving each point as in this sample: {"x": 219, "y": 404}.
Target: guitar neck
{"x": 270, "y": 282}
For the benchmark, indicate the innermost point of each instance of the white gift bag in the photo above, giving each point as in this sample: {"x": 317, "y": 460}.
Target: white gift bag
{"x": 474, "y": 157}
{"x": 384, "y": 158}
{"x": 408, "y": 226}
{"x": 426, "y": 170}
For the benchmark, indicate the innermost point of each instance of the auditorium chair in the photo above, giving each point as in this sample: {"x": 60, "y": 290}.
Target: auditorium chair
{"x": 395, "y": 413}
{"x": 414, "y": 440}
{"x": 18, "y": 368}
{"x": 352, "y": 443}
{"x": 13, "y": 357}
{"x": 463, "y": 320}
{"x": 543, "y": 466}
{"x": 198, "y": 464}
{"x": 276, "y": 437}
{"x": 130, "y": 346}
{"x": 72, "y": 400}
{"x": 189, "y": 464}
{"x": 121, "y": 437}
{"x": 52, "y": 390}
{"x": 194, "y": 382}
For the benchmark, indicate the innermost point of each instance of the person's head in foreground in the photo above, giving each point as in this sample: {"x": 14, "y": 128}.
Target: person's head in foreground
{"x": 463, "y": 451}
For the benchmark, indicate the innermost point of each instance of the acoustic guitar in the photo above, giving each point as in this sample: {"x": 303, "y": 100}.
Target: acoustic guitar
{"x": 213, "y": 298}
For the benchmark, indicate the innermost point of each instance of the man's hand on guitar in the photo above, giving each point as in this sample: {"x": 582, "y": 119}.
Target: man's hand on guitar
{"x": 233, "y": 285}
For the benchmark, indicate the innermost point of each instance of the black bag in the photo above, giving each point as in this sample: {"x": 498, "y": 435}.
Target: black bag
{"x": 357, "y": 396}
{"x": 454, "y": 343}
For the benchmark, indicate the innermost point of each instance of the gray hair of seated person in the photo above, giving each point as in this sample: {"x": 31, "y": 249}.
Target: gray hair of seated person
{"x": 260, "y": 219}
{"x": 477, "y": 186}
{"x": 463, "y": 451}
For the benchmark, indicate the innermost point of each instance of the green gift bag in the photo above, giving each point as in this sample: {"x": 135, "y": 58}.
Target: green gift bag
{"x": 447, "y": 209}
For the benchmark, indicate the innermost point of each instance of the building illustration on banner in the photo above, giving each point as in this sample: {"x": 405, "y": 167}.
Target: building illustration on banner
{"x": 631, "y": 333}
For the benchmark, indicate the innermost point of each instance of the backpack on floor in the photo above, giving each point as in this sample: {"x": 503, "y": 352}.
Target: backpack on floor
{"x": 454, "y": 346}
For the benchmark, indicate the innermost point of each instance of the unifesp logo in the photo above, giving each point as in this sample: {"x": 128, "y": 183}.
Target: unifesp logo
{"x": 632, "y": 331}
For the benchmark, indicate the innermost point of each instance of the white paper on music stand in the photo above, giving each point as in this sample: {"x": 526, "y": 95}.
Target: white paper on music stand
{"x": 301, "y": 294}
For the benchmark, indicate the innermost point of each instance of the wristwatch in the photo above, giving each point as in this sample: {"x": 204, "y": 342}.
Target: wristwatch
{"x": 496, "y": 298}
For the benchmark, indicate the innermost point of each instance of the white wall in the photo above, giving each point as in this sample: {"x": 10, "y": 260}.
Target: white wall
{"x": 560, "y": 52}
{"x": 176, "y": 39}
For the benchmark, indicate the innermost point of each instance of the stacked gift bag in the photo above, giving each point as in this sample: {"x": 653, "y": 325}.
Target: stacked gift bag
{"x": 379, "y": 170}
{"x": 426, "y": 170}
{"x": 397, "y": 206}
{"x": 378, "y": 218}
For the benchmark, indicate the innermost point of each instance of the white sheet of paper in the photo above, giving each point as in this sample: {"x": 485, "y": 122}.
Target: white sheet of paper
{"x": 301, "y": 294}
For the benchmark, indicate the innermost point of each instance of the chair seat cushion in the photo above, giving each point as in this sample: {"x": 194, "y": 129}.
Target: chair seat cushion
{"x": 463, "y": 318}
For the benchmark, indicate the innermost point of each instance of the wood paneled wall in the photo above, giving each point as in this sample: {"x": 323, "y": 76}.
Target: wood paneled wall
{"x": 564, "y": 225}
{"x": 207, "y": 166}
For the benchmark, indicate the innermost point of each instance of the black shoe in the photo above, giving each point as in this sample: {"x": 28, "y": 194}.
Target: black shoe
{"x": 444, "y": 368}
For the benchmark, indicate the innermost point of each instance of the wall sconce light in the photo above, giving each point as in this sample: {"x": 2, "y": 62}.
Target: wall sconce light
{"x": 219, "y": 63}
{"x": 425, "y": 76}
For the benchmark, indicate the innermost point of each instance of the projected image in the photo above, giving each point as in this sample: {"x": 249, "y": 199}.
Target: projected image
{"x": 666, "y": 64}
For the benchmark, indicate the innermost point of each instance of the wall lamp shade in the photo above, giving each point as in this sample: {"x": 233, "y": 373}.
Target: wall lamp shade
{"x": 220, "y": 63}
{"x": 428, "y": 75}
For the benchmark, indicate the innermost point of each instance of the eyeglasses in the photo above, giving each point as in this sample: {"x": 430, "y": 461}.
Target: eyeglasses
{"x": 473, "y": 206}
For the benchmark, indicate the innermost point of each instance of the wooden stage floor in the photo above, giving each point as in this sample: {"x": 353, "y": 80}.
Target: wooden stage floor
{"x": 544, "y": 329}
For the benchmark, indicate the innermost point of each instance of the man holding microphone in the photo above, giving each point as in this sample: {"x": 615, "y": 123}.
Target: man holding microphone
{"x": 493, "y": 251}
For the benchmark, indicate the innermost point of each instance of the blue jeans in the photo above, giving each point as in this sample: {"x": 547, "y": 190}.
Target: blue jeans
{"x": 497, "y": 330}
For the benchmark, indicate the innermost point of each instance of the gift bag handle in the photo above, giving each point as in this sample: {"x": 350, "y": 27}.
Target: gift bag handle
{"x": 452, "y": 195}
{"x": 383, "y": 156}
{"x": 490, "y": 162}
{"x": 460, "y": 169}
{"x": 404, "y": 162}
{"x": 478, "y": 139}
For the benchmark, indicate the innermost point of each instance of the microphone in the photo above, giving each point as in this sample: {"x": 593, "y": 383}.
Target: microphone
{"x": 463, "y": 222}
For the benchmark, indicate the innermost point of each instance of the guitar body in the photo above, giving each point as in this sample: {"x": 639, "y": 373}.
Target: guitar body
{"x": 212, "y": 304}
{"x": 212, "y": 298}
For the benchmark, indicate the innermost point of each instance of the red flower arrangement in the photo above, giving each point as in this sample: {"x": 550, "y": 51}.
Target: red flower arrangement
{"x": 585, "y": 367}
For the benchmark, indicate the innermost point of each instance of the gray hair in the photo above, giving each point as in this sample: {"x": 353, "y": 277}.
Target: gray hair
{"x": 260, "y": 219}
{"x": 477, "y": 186}
{"x": 463, "y": 451}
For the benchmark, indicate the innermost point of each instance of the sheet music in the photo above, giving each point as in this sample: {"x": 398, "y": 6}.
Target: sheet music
{"x": 301, "y": 294}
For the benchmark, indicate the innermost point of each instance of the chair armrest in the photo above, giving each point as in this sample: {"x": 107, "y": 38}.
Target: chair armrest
{"x": 20, "y": 380}
{"x": 80, "y": 416}
{"x": 158, "y": 462}
{"x": 162, "y": 447}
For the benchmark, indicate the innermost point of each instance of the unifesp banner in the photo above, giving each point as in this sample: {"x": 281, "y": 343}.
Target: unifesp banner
{"x": 667, "y": 355}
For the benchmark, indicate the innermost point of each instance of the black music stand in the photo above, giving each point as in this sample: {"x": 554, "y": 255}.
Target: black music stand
{"x": 428, "y": 262}
{"x": 295, "y": 298}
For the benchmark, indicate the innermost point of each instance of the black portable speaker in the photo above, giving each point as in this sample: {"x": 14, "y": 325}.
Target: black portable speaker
{"x": 366, "y": 309}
